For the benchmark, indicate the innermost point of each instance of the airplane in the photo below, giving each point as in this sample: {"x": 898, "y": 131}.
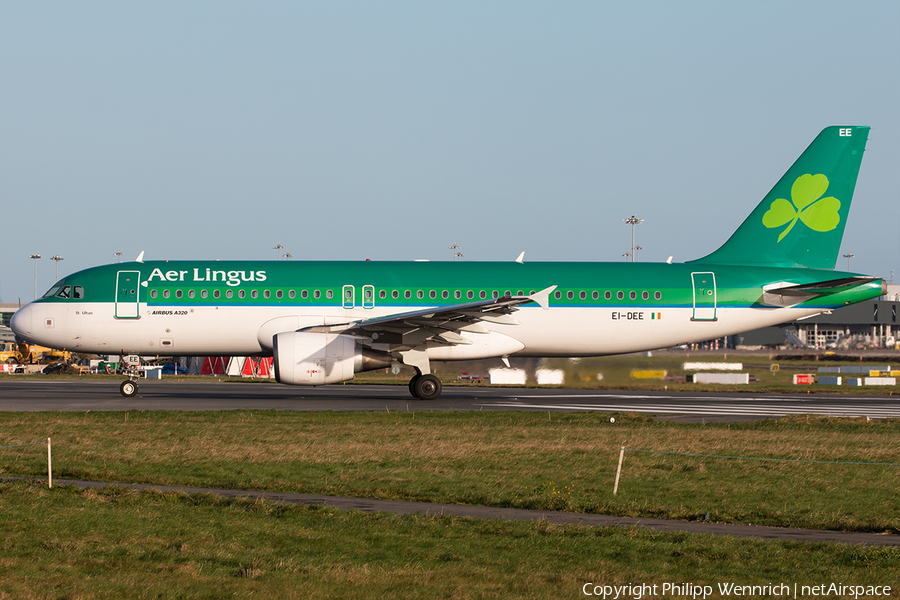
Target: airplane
{"x": 323, "y": 322}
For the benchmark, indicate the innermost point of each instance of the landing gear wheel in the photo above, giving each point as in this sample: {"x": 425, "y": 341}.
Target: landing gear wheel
{"x": 128, "y": 388}
{"x": 426, "y": 387}
{"x": 412, "y": 384}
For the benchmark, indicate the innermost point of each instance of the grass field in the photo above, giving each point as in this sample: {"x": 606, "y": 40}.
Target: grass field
{"x": 113, "y": 543}
{"x": 525, "y": 460}
{"x": 63, "y": 543}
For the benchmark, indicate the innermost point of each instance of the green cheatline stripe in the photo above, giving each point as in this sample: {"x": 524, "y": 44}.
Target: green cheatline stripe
{"x": 827, "y": 462}
{"x": 19, "y": 445}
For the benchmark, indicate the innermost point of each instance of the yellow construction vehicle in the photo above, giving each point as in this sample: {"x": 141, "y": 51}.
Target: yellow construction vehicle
{"x": 23, "y": 354}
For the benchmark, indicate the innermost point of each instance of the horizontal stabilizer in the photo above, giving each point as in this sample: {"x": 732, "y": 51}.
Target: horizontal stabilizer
{"x": 790, "y": 294}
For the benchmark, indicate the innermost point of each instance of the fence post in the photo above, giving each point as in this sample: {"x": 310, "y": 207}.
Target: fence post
{"x": 49, "y": 465}
{"x": 619, "y": 470}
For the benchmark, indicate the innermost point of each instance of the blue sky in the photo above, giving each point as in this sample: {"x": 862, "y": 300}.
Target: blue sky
{"x": 393, "y": 130}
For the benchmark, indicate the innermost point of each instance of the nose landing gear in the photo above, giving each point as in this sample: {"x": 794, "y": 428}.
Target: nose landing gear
{"x": 128, "y": 388}
{"x": 132, "y": 371}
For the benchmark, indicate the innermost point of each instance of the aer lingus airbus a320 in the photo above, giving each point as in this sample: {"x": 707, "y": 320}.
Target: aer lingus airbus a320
{"x": 325, "y": 321}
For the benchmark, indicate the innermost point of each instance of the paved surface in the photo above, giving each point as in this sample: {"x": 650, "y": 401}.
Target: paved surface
{"x": 514, "y": 514}
{"x": 83, "y": 395}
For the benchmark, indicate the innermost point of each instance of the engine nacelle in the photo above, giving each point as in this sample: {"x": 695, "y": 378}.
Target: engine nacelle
{"x": 303, "y": 358}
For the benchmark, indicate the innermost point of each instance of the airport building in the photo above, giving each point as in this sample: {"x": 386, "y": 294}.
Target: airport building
{"x": 6, "y": 312}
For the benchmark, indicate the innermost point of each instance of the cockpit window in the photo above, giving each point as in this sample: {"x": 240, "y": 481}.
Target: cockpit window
{"x": 64, "y": 292}
{"x": 78, "y": 292}
{"x": 52, "y": 291}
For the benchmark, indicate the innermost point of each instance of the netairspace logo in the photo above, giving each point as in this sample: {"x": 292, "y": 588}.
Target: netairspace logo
{"x": 694, "y": 591}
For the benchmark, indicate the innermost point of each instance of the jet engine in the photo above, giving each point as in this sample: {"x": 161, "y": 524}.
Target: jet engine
{"x": 305, "y": 358}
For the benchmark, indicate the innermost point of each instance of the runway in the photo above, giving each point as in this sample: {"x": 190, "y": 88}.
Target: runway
{"x": 103, "y": 395}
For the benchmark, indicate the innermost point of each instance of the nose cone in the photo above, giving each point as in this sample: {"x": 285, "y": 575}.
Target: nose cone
{"x": 22, "y": 323}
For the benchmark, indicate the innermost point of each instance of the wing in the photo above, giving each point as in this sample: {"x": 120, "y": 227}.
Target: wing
{"x": 439, "y": 325}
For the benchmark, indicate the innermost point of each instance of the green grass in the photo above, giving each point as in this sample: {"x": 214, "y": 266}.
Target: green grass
{"x": 114, "y": 543}
{"x": 524, "y": 460}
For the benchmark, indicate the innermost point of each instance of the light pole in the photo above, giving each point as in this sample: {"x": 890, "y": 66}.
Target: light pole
{"x": 456, "y": 252}
{"x": 637, "y": 250}
{"x": 627, "y": 255}
{"x": 118, "y": 256}
{"x": 35, "y": 258}
{"x": 288, "y": 255}
{"x": 277, "y": 248}
{"x": 848, "y": 257}
{"x": 56, "y": 258}
{"x": 632, "y": 220}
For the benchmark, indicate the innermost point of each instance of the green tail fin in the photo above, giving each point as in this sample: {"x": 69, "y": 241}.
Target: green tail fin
{"x": 800, "y": 222}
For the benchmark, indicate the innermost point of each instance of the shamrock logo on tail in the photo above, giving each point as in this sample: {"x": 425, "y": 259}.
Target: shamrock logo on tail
{"x": 807, "y": 204}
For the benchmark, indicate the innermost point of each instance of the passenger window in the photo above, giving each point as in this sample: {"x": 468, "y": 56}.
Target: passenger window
{"x": 229, "y": 293}
{"x": 420, "y": 294}
{"x": 279, "y": 294}
{"x": 166, "y": 293}
{"x": 608, "y": 295}
{"x": 632, "y": 295}
{"x": 658, "y": 295}
{"x": 293, "y": 294}
{"x": 304, "y": 294}
{"x": 457, "y": 294}
{"x": 216, "y": 294}
{"x": 445, "y": 294}
{"x": 483, "y": 294}
{"x": 432, "y": 294}
{"x": 382, "y": 294}
{"x": 329, "y": 294}
{"x": 645, "y": 295}
{"x": 470, "y": 294}
{"x": 520, "y": 293}
{"x": 495, "y": 294}
{"x": 407, "y": 294}
{"x": 582, "y": 295}
{"x": 191, "y": 293}
{"x": 620, "y": 295}
{"x": 242, "y": 294}
{"x": 317, "y": 294}
{"x": 267, "y": 294}
{"x": 595, "y": 295}
{"x": 395, "y": 294}
{"x": 254, "y": 294}
{"x": 558, "y": 295}
{"x": 178, "y": 293}
{"x": 153, "y": 293}
{"x": 570, "y": 295}
{"x": 204, "y": 293}
{"x": 508, "y": 294}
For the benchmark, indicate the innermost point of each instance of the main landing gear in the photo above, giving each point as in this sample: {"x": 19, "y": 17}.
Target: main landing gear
{"x": 425, "y": 387}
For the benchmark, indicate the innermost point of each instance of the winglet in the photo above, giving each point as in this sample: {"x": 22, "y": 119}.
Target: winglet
{"x": 521, "y": 258}
{"x": 140, "y": 257}
{"x": 543, "y": 297}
